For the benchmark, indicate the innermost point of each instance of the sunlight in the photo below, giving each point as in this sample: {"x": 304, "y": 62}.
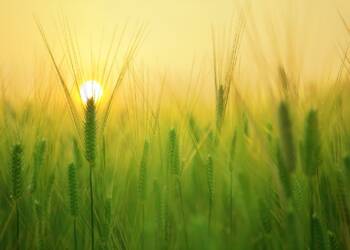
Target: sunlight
{"x": 90, "y": 89}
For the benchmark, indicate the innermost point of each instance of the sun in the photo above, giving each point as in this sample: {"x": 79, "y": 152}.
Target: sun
{"x": 90, "y": 89}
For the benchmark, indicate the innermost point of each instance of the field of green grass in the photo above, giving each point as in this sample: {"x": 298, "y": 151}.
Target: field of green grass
{"x": 192, "y": 165}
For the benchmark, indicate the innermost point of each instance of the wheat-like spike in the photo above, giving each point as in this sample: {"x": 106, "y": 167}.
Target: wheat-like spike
{"x": 286, "y": 136}
{"x": 232, "y": 150}
{"x": 194, "y": 128}
{"x": 174, "y": 165}
{"x": 173, "y": 152}
{"x": 16, "y": 171}
{"x": 220, "y": 106}
{"x": 210, "y": 181}
{"x": 90, "y": 155}
{"x": 90, "y": 132}
{"x": 73, "y": 190}
{"x": 312, "y": 146}
{"x": 317, "y": 241}
{"x": 39, "y": 154}
{"x": 16, "y": 174}
{"x": 283, "y": 173}
{"x": 142, "y": 183}
{"x": 284, "y": 82}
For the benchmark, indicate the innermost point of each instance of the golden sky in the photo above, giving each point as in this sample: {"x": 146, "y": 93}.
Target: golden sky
{"x": 178, "y": 31}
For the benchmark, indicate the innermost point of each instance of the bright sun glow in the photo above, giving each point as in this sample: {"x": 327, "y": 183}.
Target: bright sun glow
{"x": 90, "y": 89}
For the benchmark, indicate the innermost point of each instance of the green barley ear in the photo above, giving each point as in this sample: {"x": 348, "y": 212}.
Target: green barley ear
{"x": 78, "y": 161}
{"x": 283, "y": 173}
{"x": 73, "y": 192}
{"x": 284, "y": 82}
{"x": 39, "y": 154}
{"x": 194, "y": 129}
{"x": 173, "y": 152}
{"x": 220, "y": 106}
{"x": 286, "y": 135}
{"x": 232, "y": 150}
{"x": 317, "y": 240}
{"x": 16, "y": 171}
{"x": 312, "y": 146}
{"x": 90, "y": 132}
{"x": 143, "y": 172}
{"x": 90, "y": 155}
{"x": 210, "y": 179}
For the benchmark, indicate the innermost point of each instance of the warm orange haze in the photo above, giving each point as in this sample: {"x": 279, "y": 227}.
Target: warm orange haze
{"x": 165, "y": 125}
{"x": 178, "y": 33}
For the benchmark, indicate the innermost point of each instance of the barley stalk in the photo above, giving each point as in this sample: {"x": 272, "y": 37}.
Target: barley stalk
{"x": 286, "y": 136}
{"x": 16, "y": 174}
{"x": 90, "y": 155}
{"x": 210, "y": 180}
{"x": 73, "y": 198}
{"x": 39, "y": 154}
{"x": 311, "y": 149}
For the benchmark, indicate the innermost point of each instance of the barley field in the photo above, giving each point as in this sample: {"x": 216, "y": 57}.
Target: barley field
{"x": 102, "y": 153}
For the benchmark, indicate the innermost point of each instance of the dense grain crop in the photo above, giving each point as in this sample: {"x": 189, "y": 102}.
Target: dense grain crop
{"x": 145, "y": 164}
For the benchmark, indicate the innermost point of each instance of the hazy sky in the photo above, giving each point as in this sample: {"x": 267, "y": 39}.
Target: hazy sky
{"x": 177, "y": 30}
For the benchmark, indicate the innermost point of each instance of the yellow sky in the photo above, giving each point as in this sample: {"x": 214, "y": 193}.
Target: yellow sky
{"x": 178, "y": 30}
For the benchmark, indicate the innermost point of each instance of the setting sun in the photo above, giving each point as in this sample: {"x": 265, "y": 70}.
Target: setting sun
{"x": 90, "y": 89}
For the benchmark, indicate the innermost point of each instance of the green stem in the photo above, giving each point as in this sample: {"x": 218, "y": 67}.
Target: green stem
{"x": 75, "y": 234}
{"x": 17, "y": 225}
{"x": 231, "y": 204}
{"x": 92, "y": 210}
{"x": 183, "y": 212}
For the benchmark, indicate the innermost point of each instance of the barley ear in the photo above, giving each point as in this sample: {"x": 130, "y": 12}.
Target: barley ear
{"x": 286, "y": 136}
{"x": 16, "y": 171}
{"x": 312, "y": 146}
{"x": 142, "y": 182}
{"x": 283, "y": 173}
{"x": 220, "y": 106}
{"x": 90, "y": 132}
{"x": 39, "y": 154}
{"x": 73, "y": 192}
{"x": 232, "y": 150}
{"x": 173, "y": 153}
